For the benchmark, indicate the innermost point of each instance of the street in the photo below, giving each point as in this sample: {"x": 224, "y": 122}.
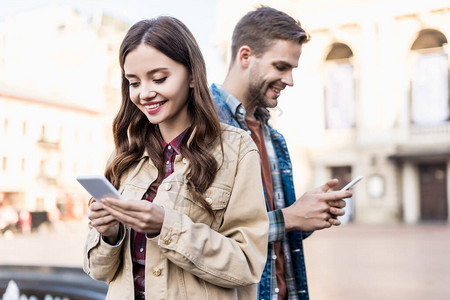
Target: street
{"x": 388, "y": 262}
{"x": 60, "y": 245}
{"x": 350, "y": 262}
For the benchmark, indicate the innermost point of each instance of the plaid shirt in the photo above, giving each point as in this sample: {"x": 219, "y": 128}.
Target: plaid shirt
{"x": 279, "y": 203}
{"x": 276, "y": 221}
{"x": 139, "y": 241}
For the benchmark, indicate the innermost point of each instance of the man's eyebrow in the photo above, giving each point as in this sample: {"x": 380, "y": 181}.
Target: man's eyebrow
{"x": 284, "y": 64}
{"x": 151, "y": 72}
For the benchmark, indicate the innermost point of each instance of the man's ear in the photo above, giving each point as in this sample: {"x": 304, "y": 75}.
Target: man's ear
{"x": 244, "y": 55}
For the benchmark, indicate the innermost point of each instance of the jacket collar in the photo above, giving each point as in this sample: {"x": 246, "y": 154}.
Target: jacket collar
{"x": 191, "y": 137}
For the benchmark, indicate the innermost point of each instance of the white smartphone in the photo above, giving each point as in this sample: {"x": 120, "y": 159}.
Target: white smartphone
{"x": 352, "y": 183}
{"x": 98, "y": 186}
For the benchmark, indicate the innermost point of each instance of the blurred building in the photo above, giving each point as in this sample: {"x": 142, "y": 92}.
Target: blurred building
{"x": 371, "y": 98}
{"x": 59, "y": 89}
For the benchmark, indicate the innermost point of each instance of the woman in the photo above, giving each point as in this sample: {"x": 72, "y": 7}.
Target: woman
{"x": 194, "y": 225}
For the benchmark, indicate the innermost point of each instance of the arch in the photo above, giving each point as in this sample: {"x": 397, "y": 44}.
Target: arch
{"x": 429, "y": 38}
{"x": 339, "y": 51}
{"x": 429, "y": 93}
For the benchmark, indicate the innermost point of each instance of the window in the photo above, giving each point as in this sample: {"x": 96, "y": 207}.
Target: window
{"x": 61, "y": 132}
{"x": 4, "y": 163}
{"x": 5, "y": 126}
{"x": 43, "y": 131}
{"x": 75, "y": 135}
{"x": 339, "y": 88}
{"x": 42, "y": 166}
{"x": 429, "y": 83}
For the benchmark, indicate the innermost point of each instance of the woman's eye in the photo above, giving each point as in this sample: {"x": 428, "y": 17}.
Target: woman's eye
{"x": 160, "y": 80}
{"x": 134, "y": 84}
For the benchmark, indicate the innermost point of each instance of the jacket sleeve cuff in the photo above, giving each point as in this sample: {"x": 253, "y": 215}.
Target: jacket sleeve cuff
{"x": 306, "y": 234}
{"x": 170, "y": 230}
{"x": 120, "y": 240}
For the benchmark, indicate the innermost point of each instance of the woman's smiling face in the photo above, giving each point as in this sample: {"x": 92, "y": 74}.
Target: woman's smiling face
{"x": 159, "y": 87}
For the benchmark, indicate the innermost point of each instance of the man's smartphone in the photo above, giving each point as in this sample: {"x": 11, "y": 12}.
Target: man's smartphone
{"x": 98, "y": 186}
{"x": 351, "y": 183}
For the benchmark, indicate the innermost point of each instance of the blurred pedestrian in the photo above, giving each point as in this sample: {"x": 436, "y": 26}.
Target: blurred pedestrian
{"x": 8, "y": 216}
{"x": 25, "y": 221}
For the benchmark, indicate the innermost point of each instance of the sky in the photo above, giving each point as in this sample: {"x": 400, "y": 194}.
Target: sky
{"x": 198, "y": 15}
{"x": 193, "y": 12}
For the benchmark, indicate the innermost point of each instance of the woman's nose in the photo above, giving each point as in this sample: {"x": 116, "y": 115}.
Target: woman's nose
{"x": 147, "y": 94}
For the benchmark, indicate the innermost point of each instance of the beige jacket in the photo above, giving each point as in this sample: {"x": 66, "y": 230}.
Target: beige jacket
{"x": 194, "y": 256}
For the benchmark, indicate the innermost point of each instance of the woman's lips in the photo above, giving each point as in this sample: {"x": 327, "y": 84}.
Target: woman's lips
{"x": 153, "y": 108}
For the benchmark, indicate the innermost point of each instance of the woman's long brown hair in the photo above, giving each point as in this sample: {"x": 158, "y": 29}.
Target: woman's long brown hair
{"x": 133, "y": 133}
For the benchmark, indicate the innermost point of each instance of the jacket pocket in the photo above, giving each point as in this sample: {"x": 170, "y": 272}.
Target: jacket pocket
{"x": 217, "y": 198}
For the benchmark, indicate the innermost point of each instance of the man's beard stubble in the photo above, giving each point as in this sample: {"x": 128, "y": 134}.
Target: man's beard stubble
{"x": 256, "y": 93}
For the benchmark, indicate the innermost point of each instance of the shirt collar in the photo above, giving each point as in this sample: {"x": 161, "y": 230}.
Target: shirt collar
{"x": 238, "y": 110}
{"x": 175, "y": 143}
{"x": 234, "y": 105}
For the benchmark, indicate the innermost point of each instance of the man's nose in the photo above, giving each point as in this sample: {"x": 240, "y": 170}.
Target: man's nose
{"x": 288, "y": 79}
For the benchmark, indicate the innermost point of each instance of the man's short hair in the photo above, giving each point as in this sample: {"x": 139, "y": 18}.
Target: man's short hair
{"x": 258, "y": 29}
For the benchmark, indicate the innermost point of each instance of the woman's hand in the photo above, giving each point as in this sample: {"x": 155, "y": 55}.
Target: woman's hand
{"x": 104, "y": 222}
{"x": 143, "y": 216}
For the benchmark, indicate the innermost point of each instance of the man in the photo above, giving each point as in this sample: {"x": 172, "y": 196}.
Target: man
{"x": 266, "y": 47}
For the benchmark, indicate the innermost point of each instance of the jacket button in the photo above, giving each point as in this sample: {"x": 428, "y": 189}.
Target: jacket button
{"x": 156, "y": 271}
{"x": 209, "y": 200}
{"x": 167, "y": 186}
{"x": 167, "y": 240}
{"x": 277, "y": 290}
{"x": 274, "y": 257}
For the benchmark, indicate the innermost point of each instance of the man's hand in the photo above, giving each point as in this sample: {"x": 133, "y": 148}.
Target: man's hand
{"x": 316, "y": 209}
{"x": 142, "y": 216}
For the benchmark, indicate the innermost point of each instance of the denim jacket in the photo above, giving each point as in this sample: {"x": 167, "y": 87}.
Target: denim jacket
{"x": 295, "y": 237}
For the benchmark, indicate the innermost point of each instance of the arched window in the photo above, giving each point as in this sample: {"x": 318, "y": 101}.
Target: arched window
{"x": 339, "y": 88}
{"x": 429, "y": 84}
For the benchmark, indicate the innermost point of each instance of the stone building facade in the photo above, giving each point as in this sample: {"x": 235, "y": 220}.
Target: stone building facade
{"x": 371, "y": 98}
{"x": 59, "y": 90}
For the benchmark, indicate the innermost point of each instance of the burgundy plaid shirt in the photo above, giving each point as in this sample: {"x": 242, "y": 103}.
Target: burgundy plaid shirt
{"x": 139, "y": 241}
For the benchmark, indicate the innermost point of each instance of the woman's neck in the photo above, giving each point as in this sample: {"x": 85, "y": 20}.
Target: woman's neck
{"x": 168, "y": 133}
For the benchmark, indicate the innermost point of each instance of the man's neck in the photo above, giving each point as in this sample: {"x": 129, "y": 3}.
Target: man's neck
{"x": 237, "y": 86}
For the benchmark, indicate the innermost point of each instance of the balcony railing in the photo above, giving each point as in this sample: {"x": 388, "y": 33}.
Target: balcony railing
{"x": 439, "y": 129}
{"x": 48, "y": 144}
